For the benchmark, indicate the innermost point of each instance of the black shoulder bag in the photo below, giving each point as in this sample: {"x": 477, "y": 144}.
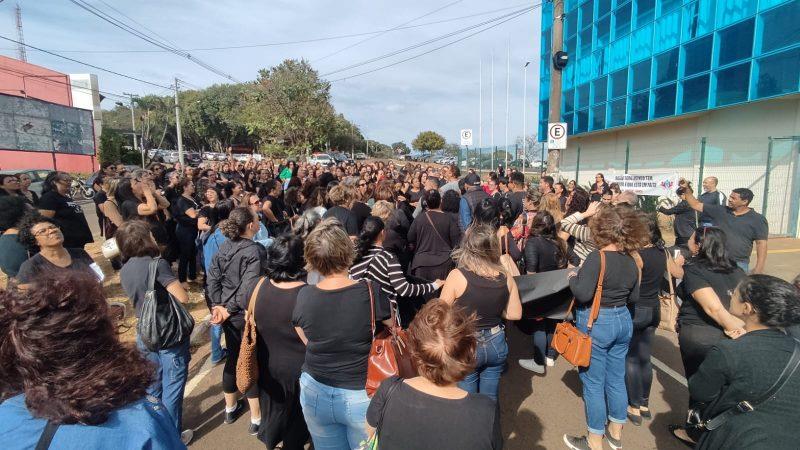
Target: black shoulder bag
{"x": 745, "y": 406}
{"x": 162, "y": 326}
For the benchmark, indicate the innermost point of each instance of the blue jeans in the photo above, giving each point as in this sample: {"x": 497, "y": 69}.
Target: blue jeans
{"x": 172, "y": 369}
{"x": 744, "y": 265}
{"x": 336, "y": 417}
{"x": 604, "y": 394}
{"x": 542, "y": 338}
{"x": 491, "y": 354}
{"x": 217, "y": 352}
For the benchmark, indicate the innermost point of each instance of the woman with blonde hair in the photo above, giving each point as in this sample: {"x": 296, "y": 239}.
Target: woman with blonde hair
{"x": 480, "y": 286}
{"x": 110, "y": 208}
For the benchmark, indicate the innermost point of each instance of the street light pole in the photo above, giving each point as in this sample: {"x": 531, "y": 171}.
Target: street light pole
{"x": 524, "y": 114}
{"x": 508, "y": 90}
{"x": 178, "y": 125}
{"x": 133, "y": 127}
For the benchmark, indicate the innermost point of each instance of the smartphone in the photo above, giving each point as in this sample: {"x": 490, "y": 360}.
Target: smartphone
{"x": 676, "y": 253}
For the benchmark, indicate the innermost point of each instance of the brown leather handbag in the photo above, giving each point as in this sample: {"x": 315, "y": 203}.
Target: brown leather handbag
{"x": 668, "y": 305}
{"x": 389, "y": 354}
{"x": 574, "y": 345}
{"x": 247, "y": 365}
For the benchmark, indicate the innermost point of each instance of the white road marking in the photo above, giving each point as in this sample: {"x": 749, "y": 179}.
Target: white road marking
{"x": 665, "y": 368}
{"x": 195, "y": 381}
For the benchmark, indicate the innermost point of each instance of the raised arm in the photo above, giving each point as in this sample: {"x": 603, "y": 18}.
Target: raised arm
{"x": 711, "y": 304}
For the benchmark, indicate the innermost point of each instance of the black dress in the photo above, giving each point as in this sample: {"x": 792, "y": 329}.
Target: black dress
{"x": 280, "y": 358}
{"x": 433, "y": 235}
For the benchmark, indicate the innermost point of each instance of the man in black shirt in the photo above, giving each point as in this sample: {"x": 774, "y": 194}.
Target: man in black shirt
{"x": 517, "y": 194}
{"x": 710, "y": 196}
{"x": 68, "y": 215}
{"x": 742, "y": 226}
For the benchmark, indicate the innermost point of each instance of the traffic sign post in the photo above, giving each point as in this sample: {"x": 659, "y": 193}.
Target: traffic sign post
{"x": 466, "y": 137}
{"x": 557, "y": 136}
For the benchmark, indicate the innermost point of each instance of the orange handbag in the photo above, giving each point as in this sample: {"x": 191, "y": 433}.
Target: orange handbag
{"x": 389, "y": 354}
{"x": 247, "y": 364}
{"x": 574, "y": 345}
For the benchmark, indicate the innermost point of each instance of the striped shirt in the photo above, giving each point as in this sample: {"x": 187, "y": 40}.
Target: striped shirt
{"x": 583, "y": 236}
{"x": 382, "y": 267}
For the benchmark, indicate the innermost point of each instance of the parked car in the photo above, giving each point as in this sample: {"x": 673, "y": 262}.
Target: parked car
{"x": 341, "y": 158}
{"x": 321, "y": 158}
{"x": 37, "y": 177}
{"x": 360, "y": 156}
{"x": 192, "y": 158}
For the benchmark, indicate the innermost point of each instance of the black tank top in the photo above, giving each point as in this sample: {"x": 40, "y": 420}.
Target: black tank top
{"x": 487, "y": 297}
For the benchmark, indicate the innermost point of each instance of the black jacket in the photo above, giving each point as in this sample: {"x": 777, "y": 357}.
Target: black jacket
{"x": 232, "y": 276}
{"x": 685, "y": 221}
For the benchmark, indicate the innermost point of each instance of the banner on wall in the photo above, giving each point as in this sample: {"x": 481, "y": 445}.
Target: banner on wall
{"x": 658, "y": 184}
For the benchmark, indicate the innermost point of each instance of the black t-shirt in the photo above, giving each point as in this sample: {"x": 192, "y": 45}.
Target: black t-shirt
{"x": 361, "y": 211}
{"x": 69, "y": 217}
{"x": 697, "y": 275}
{"x": 620, "y": 283}
{"x": 182, "y": 205}
{"x": 129, "y": 209}
{"x": 413, "y": 420}
{"x": 37, "y": 265}
{"x": 338, "y": 327}
{"x": 541, "y": 255}
{"x": 133, "y": 278}
{"x": 346, "y": 217}
{"x": 209, "y": 213}
{"x": 740, "y": 231}
{"x": 655, "y": 264}
{"x": 100, "y": 198}
{"x": 517, "y": 206}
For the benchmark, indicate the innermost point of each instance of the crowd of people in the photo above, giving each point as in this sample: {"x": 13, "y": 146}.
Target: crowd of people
{"x": 321, "y": 258}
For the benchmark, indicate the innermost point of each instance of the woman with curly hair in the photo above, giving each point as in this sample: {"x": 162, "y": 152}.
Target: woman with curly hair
{"x": 618, "y": 233}
{"x": 12, "y": 253}
{"x": 65, "y": 375}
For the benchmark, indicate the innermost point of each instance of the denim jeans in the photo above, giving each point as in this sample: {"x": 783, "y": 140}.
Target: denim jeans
{"x": 172, "y": 369}
{"x": 491, "y": 355}
{"x": 542, "y": 338}
{"x": 744, "y": 265}
{"x": 604, "y": 394}
{"x": 638, "y": 367}
{"x": 217, "y": 352}
{"x": 336, "y": 417}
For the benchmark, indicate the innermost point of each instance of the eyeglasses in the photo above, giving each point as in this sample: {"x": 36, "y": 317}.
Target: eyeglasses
{"x": 362, "y": 184}
{"x": 50, "y": 229}
{"x": 257, "y": 202}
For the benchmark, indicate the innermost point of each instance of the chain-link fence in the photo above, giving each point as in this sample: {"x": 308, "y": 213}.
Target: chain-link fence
{"x": 770, "y": 167}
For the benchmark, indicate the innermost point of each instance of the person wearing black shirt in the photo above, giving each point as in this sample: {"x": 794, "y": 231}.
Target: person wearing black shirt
{"x": 42, "y": 236}
{"x": 342, "y": 197}
{"x": 685, "y": 221}
{"x": 68, "y": 215}
{"x": 272, "y": 207}
{"x": 130, "y": 193}
{"x": 604, "y": 380}
{"x": 433, "y": 236}
{"x": 710, "y": 196}
{"x": 185, "y": 212}
{"x": 413, "y": 413}
{"x": 599, "y": 188}
{"x": 335, "y": 320}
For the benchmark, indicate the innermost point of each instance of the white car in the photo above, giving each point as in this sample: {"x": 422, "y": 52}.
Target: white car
{"x": 321, "y": 158}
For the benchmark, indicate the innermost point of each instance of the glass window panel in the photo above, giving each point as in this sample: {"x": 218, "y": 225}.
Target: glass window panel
{"x": 642, "y": 43}
{"x": 587, "y": 9}
{"x": 664, "y": 98}
{"x": 599, "y": 117}
{"x": 584, "y": 70}
{"x": 568, "y": 100}
{"x": 620, "y": 53}
{"x": 568, "y": 76}
{"x": 781, "y": 27}
{"x": 698, "y": 18}
{"x": 640, "y": 76}
{"x": 645, "y": 11}
{"x": 546, "y": 41}
{"x": 695, "y": 94}
{"x": 732, "y": 84}
{"x": 581, "y": 121}
{"x": 544, "y": 108}
{"x": 602, "y": 32}
{"x": 697, "y": 56}
{"x": 730, "y": 11}
{"x": 669, "y": 5}
{"x": 668, "y": 31}
{"x": 667, "y": 66}
{"x": 600, "y": 62}
{"x": 619, "y": 83}
{"x": 603, "y": 6}
{"x": 617, "y": 114}
{"x": 600, "y": 90}
{"x": 583, "y": 96}
{"x": 586, "y": 42}
{"x": 640, "y": 104}
{"x": 571, "y": 24}
{"x": 778, "y": 74}
{"x": 736, "y": 42}
{"x": 571, "y": 46}
{"x": 622, "y": 24}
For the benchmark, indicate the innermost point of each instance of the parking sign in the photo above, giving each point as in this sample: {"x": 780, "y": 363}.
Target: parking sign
{"x": 557, "y": 136}
{"x": 466, "y": 137}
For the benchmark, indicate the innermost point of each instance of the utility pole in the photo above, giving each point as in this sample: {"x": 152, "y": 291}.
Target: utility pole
{"x": 491, "y": 132}
{"x": 178, "y": 124}
{"x": 23, "y": 56}
{"x": 480, "y": 106}
{"x": 524, "y": 114}
{"x": 554, "y": 114}
{"x": 133, "y": 127}
{"x": 508, "y": 90}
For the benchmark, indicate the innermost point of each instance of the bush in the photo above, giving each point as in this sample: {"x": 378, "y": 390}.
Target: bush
{"x": 112, "y": 145}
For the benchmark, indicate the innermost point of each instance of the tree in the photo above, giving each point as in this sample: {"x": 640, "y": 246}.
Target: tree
{"x": 452, "y": 149}
{"x": 111, "y": 146}
{"x": 428, "y": 141}
{"x": 400, "y": 148}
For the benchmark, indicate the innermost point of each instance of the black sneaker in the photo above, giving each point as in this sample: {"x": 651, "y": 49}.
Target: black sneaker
{"x": 615, "y": 444}
{"x": 253, "y": 430}
{"x": 231, "y": 417}
{"x": 577, "y": 443}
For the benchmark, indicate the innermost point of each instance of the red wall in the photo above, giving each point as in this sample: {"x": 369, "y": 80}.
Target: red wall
{"x": 21, "y": 79}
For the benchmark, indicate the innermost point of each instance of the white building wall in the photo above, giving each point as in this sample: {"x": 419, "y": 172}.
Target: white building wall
{"x": 86, "y": 95}
{"x": 736, "y": 148}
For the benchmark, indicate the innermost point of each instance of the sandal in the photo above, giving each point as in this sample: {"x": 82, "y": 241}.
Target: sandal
{"x": 674, "y": 429}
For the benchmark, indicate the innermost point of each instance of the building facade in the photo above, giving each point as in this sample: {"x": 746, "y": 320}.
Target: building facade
{"x": 699, "y": 87}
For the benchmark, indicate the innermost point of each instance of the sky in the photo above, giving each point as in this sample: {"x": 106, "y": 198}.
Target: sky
{"x": 438, "y": 91}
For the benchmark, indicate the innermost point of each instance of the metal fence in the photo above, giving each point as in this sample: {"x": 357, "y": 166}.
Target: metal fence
{"x": 487, "y": 159}
{"x": 770, "y": 167}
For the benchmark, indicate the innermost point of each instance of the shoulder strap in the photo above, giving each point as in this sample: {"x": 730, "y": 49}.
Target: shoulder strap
{"x": 746, "y": 406}
{"x": 391, "y": 390}
{"x": 151, "y": 274}
{"x": 47, "y": 435}
{"x": 251, "y": 305}
{"x": 598, "y": 293}
{"x": 371, "y": 306}
{"x": 428, "y": 216}
{"x": 669, "y": 276}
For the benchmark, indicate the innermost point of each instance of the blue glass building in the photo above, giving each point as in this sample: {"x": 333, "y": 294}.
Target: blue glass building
{"x": 635, "y": 61}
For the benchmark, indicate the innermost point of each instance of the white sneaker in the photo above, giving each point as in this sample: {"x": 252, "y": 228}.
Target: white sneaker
{"x": 550, "y": 362}
{"x": 186, "y": 436}
{"x": 531, "y": 365}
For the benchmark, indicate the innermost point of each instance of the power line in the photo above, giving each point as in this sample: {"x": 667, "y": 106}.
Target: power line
{"x": 137, "y": 22}
{"x": 303, "y": 41}
{"x": 121, "y": 25}
{"x": 86, "y": 64}
{"x": 48, "y": 79}
{"x": 437, "y": 48}
{"x": 429, "y": 41}
{"x": 384, "y": 32}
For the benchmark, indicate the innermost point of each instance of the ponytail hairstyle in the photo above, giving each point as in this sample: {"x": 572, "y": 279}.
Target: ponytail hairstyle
{"x": 236, "y": 224}
{"x": 372, "y": 228}
{"x": 544, "y": 225}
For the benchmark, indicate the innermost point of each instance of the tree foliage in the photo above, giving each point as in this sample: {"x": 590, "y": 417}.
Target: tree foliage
{"x": 111, "y": 146}
{"x": 428, "y": 141}
{"x": 400, "y": 148}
